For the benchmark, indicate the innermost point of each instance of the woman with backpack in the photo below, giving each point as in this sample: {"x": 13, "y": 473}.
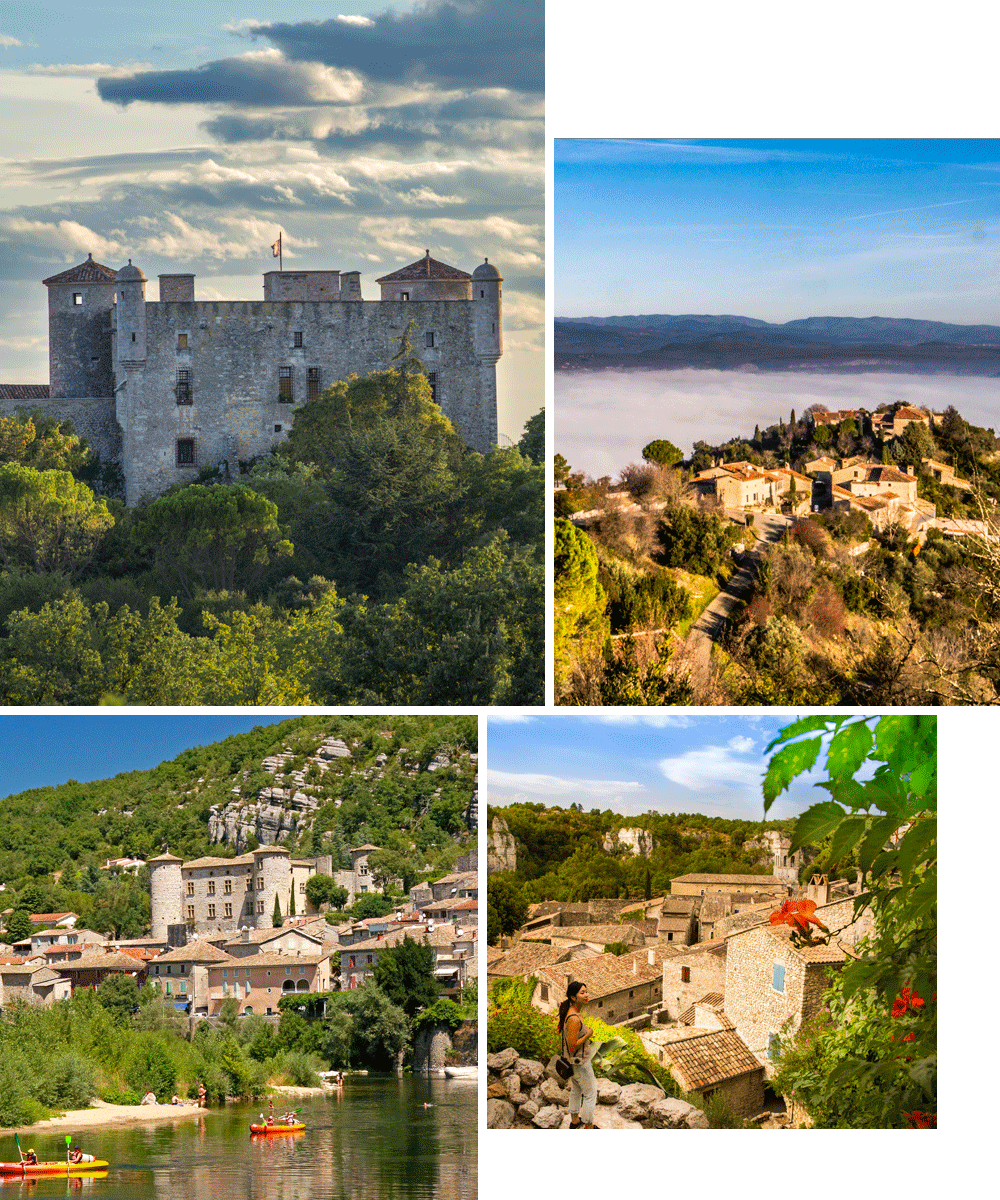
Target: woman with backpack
{"x": 579, "y": 1050}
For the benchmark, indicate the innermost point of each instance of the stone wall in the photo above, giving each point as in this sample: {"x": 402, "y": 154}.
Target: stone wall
{"x": 440, "y": 1047}
{"x": 93, "y": 418}
{"x": 708, "y": 974}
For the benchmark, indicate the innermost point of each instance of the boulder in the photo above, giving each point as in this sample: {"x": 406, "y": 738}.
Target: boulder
{"x": 670, "y": 1114}
{"x": 636, "y": 1100}
{"x": 503, "y": 1060}
{"x": 550, "y": 1117}
{"x": 696, "y": 1119}
{"x": 536, "y": 1095}
{"x": 496, "y": 1091}
{"x": 528, "y": 1109}
{"x": 513, "y": 1086}
{"x": 608, "y": 1092}
{"x": 611, "y": 1118}
{"x": 553, "y": 1093}
{"x": 499, "y": 1114}
{"x": 529, "y": 1072}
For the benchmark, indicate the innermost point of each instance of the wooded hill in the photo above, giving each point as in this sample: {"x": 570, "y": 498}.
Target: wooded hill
{"x": 400, "y": 805}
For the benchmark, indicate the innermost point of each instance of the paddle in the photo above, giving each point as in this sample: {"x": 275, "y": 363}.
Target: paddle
{"x": 21, "y": 1153}
{"x": 68, "y": 1140}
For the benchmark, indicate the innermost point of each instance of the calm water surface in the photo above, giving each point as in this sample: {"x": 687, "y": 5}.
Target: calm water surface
{"x": 375, "y": 1141}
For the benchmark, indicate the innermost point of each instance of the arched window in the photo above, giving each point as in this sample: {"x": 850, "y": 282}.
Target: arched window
{"x": 303, "y": 985}
{"x": 288, "y": 985}
{"x": 248, "y": 1011}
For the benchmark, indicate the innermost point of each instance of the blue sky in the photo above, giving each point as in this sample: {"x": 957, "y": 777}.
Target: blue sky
{"x": 186, "y": 137}
{"x": 633, "y": 761}
{"x": 778, "y": 229}
{"x": 44, "y": 751}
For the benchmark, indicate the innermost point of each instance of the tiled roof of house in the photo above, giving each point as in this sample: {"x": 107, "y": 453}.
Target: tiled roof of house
{"x": 85, "y": 272}
{"x": 24, "y": 391}
{"x": 436, "y": 937}
{"x": 195, "y": 952}
{"x": 709, "y": 1058}
{"x": 257, "y": 936}
{"x": 604, "y": 974}
{"x": 272, "y": 960}
{"x": 887, "y": 474}
{"x": 659, "y": 953}
{"x": 424, "y": 268}
{"x": 836, "y": 952}
{"x": 606, "y": 934}
{"x": 909, "y": 413}
{"x": 713, "y": 946}
{"x": 48, "y": 919}
{"x": 492, "y": 954}
{"x": 209, "y": 861}
{"x": 118, "y": 961}
{"x": 525, "y": 958}
{"x": 758, "y": 881}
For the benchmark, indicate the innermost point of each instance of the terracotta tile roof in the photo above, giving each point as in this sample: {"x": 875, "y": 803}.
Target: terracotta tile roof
{"x": 118, "y": 961}
{"x": 713, "y": 946}
{"x": 257, "y": 936}
{"x": 909, "y": 413}
{"x": 209, "y": 861}
{"x": 709, "y": 1058}
{"x": 24, "y": 391}
{"x": 493, "y": 953}
{"x": 85, "y": 272}
{"x": 604, "y": 974}
{"x": 436, "y": 937}
{"x": 605, "y": 934}
{"x": 48, "y": 918}
{"x": 525, "y": 958}
{"x": 424, "y": 268}
{"x": 889, "y": 475}
{"x": 746, "y": 880}
{"x": 195, "y": 952}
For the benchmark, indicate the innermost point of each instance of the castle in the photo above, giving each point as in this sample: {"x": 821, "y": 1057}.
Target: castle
{"x": 214, "y": 895}
{"x": 171, "y": 386}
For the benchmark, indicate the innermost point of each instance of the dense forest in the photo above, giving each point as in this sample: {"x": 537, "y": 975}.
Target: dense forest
{"x": 561, "y": 854}
{"x": 371, "y": 559}
{"x": 836, "y": 612}
{"x": 54, "y": 841}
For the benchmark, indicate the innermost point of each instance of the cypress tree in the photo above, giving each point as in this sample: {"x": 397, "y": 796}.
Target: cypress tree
{"x": 276, "y": 915}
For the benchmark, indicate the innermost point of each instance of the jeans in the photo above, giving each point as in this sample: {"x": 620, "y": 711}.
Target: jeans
{"x": 583, "y": 1092}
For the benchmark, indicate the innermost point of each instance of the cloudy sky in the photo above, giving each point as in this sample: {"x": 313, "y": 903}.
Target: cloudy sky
{"x": 778, "y": 229}
{"x": 633, "y": 761}
{"x": 186, "y": 137}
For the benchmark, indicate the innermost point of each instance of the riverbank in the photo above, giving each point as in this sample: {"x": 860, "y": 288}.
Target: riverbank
{"x": 101, "y": 1113}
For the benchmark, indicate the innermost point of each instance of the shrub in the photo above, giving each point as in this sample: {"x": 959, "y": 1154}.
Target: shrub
{"x": 113, "y": 1096}
{"x": 64, "y": 1081}
{"x": 531, "y": 1033}
{"x": 442, "y": 1012}
{"x": 716, "y": 1109}
{"x": 302, "y": 1070}
{"x": 149, "y": 1067}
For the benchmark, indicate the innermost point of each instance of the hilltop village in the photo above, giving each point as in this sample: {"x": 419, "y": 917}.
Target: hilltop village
{"x": 700, "y": 975}
{"x": 836, "y": 558}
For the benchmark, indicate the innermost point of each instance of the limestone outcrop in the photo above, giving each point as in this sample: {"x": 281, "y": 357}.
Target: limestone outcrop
{"x": 501, "y": 849}
{"x": 522, "y": 1095}
{"x": 638, "y": 841}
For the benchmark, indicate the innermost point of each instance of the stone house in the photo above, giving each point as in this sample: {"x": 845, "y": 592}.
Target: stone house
{"x": 32, "y": 983}
{"x": 286, "y": 939}
{"x": 945, "y": 474}
{"x": 717, "y": 1061}
{"x": 67, "y": 939}
{"x": 451, "y": 948}
{"x": 182, "y": 974}
{"x": 772, "y": 986}
{"x": 889, "y": 425}
{"x": 597, "y": 936}
{"x": 459, "y": 885}
{"x": 90, "y": 970}
{"x": 695, "y": 972}
{"x": 258, "y": 982}
{"x": 679, "y": 920}
{"x": 64, "y": 920}
{"x": 523, "y": 960}
{"x": 874, "y": 479}
{"x": 701, "y": 885}
{"x": 621, "y": 989}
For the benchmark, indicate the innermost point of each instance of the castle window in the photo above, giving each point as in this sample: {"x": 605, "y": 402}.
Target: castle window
{"x": 428, "y": 340}
{"x": 229, "y": 910}
{"x": 277, "y": 429}
{"x": 285, "y": 385}
{"x": 312, "y": 383}
{"x": 190, "y": 889}
{"x": 211, "y": 887}
{"x": 432, "y": 379}
{"x": 185, "y": 452}
{"x": 685, "y": 974}
{"x": 182, "y": 341}
{"x": 227, "y": 887}
{"x": 260, "y": 884}
{"x": 183, "y": 387}
{"x": 190, "y": 912}
{"x": 302, "y": 887}
{"x": 404, "y": 295}
{"x": 297, "y": 338}
{"x": 260, "y": 906}
{"x": 211, "y": 910}
{"x": 482, "y": 294}
{"x": 78, "y": 297}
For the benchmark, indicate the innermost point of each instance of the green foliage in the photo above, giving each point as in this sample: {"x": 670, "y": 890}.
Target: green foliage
{"x": 276, "y": 917}
{"x": 579, "y": 623}
{"x": 119, "y": 994}
{"x": 370, "y": 905}
{"x": 323, "y": 889}
{"x": 442, "y": 1012}
{"x": 150, "y": 1067}
{"x": 716, "y": 1107}
{"x": 532, "y": 443}
{"x": 697, "y": 541}
{"x": 873, "y": 1057}
{"x": 18, "y": 925}
{"x": 405, "y": 973}
{"x": 33, "y": 439}
{"x": 48, "y": 521}
{"x": 663, "y": 452}
{"x": 506, "y": 907}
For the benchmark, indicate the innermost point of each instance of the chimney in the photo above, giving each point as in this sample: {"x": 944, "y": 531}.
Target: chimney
{"x": 652, "y": 957}
{"x": 635, "y": 964}
{"x": 245, "y": 934}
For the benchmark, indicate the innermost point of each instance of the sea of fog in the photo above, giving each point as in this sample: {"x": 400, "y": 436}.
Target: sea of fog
{"x": 603, "y": 419}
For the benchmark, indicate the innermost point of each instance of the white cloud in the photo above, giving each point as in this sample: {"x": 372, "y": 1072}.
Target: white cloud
{"x": 654, "y": 718}
{"x": 6, "y": 40}
{"x": 741, "y": 744}
{"x": 709, "y": 767}
{"x": 94, "y": 69}
{"x": 355, "y": 20}
{"x": 68, "y": 237}
{"x": 554, "y": 785}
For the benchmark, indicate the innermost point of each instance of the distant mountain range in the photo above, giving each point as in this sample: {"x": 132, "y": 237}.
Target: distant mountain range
{"x": 664, "y": 342}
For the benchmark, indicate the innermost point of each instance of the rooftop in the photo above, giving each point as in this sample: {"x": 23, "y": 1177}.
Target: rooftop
{"x": 85, "y": 272}
{"x": 709, "y": 1058}
{"x": 424, "y": 268}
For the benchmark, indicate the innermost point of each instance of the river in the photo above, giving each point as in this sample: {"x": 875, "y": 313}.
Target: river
{"x": 375, "y": 1141}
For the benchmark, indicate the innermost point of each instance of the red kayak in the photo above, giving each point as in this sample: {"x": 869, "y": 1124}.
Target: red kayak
{"x": 52, "y": 1168}
{"x": 297, "y": 1128}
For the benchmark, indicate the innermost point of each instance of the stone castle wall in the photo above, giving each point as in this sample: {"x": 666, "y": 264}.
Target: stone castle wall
{"x": 93, "y": 418}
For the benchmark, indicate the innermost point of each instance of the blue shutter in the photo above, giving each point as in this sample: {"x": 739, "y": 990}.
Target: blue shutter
{"x": 778, "y": 982}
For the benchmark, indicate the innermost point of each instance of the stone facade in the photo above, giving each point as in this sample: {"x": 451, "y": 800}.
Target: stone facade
{"x": 196, "y": 384}
{"x": 689, "y": 976}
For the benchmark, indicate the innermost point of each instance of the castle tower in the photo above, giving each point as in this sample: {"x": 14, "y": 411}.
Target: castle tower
{"x": 131, "y": 308}
{"x": 166, "y": 889}
{"x": 272, "y": 877}
{"x": 80, "y": 304}
{"x": 487, "y": 298}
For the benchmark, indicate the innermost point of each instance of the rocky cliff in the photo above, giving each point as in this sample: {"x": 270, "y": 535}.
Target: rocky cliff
{"x": 638, "y": 841}
{"x": 501, "y": 849}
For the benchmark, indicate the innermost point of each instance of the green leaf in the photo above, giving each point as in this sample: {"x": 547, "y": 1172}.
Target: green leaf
{"x": 918, "y": 845}
{"x": 878, "y": 835}
{"x": 805, "y": 725}
{"x": 847, "y": 835}
{"x": 816, "y": 823}
{"x": 848, "y": 750}
{"x": 786, "y": 764}
{"x": 923, "y": 781}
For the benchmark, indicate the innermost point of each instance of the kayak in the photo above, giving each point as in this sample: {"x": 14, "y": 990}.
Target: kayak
{"x": 277, "y": 1128}
{"x": 52, "y": 1168}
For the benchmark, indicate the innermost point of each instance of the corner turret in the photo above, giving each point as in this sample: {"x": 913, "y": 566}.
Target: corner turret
{"x": 131, "y": 308}
{"x": 80, "y": 305}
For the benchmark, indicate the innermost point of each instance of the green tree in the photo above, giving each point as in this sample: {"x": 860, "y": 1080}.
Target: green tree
{"x": 370, "y": 905}
{"x": 386, "y": 865}
{"x": 405, "y": 973}
{"x": 276, "y": 915}
{"x": 323, "y": 889}
{"x": 913, "y": 445}
{"x": 578, "y": 611}
{"x": 48, "y": 521}
{"x": 18, "y": 925}
{"x": 216, "y": 538}
{"x": 663, "y": 452}
{"x": 532, "y": 443}
{"x": 506, "y": 907}
{"x": 119, "y": 995}
{"x": 36, "y": 440}
{"x": 873, "y": 1062}
{"x": 381, "y": 1028}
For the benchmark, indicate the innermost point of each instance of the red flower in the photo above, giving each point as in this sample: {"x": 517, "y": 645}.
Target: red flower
{"x": 798, "y": 914}
{"x": 921, "y": 1120}
{"x": 908, "y": 998}
{"x": 910, "y": 1037}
